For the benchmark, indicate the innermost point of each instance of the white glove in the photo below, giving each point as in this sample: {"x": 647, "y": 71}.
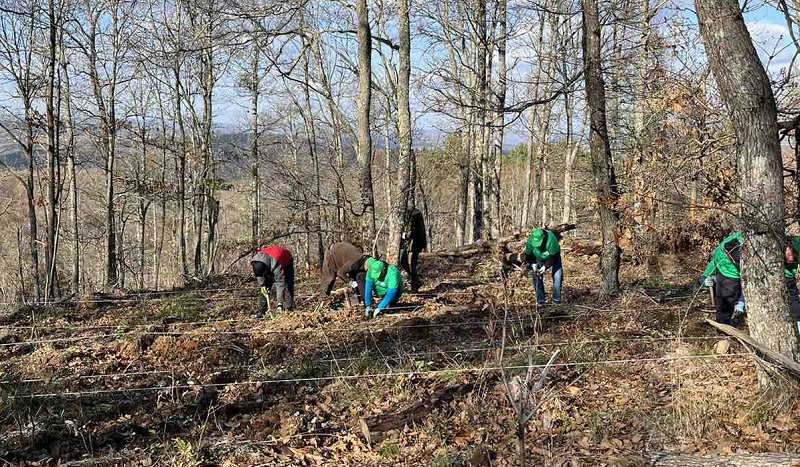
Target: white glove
{"x": 279, "y": 308}
{"x": 353, "y": 285}
{"x": 368, "y": 312}
{"x": 541, "y": 270}
{"x": 404, "y": 236}
{"x": 377, "y": 312}
{"x": 738, "y": 309}
{"x": 709, "y": 282}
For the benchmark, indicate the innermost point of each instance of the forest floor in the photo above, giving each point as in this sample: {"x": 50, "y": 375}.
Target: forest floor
{"x": 189, "y": 378}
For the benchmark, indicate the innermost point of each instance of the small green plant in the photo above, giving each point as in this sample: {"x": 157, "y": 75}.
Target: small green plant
{"x": 186, "y": 455}
{"x": 441, "y": 461}
{"x": 389, "y": 451}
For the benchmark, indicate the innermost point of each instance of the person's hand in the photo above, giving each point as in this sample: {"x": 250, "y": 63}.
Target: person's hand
{"x": 707, "y": 281}
{"x": 353, "y": 285}
{"x": 541, "y": 270}
{"x": 738, "y": 309}
{"x": 368, "y": 312}
{"x": 404, "y": 236}
{"x": 264, "y": 291}
{"x": 377, "y": 312}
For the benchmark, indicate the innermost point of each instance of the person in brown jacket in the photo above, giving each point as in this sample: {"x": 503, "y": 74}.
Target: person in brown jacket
{"x": 346, "y": 262}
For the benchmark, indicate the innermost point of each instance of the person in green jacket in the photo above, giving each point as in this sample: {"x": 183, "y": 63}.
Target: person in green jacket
{"x": 385, "y": 281}
{"x": 723, "y": 275}
{"x": 791, "y": 253}
{"x": 542, "y": 252}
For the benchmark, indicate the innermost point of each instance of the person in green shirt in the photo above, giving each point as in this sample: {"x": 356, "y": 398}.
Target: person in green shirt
{"x": 723, "y": 275}
{"x": 542, "y": 252}
{"x": 385, "y": 281}
{"x": 791, "y": 252}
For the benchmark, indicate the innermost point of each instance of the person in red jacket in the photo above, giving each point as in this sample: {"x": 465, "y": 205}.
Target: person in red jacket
{"x": 274, "y": 265}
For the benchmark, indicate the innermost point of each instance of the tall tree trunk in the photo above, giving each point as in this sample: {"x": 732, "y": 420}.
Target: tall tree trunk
{"x": 143, "y": 205}
{"x": 72, "y": 175}
{"x": 605, "y": 181}
{"x": 745, "y": 89}
{"x": 52, "y": 155}
{"x": 480, "y": 120}
{"x": 255, "y": 220}
{"x": 363, "y": 105}
{"x": 499, "y": 124}
{"x": 181, "y": 163}
{"x": 405, "y": 186}
{"x": 314, "y": 153}
{"x": 532, "y": 169}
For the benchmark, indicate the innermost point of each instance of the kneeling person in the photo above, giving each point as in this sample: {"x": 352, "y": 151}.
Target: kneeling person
{"x": 385, "y": 281}
{"x": 542, "y": 252}
{"x": 274, "y": 265}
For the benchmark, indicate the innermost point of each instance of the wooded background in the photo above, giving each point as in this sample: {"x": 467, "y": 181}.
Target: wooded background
{"x": 147, "y": 144}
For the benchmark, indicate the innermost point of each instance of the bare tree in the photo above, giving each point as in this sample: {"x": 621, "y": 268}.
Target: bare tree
{"x": 745, "y": 88}
{"x": 363, "y": 105}
{"x": 605, "y": 181}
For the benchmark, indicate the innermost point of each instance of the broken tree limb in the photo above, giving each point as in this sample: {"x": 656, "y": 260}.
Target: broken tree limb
{"x": 736, "y": 460}
{"x": 775, "y": 357}
{"x": 381, "y": 423}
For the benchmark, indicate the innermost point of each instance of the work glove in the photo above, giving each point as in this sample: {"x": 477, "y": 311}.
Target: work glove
{"x": 798, "y": 326}
{"x": 405, "y": 235}
{"x": 738, "y": 310}
{"x": 279, "y": 308}
{"x": 354, "y": 285}
{"x": 706, "y": 281}
{"x": 368, "y": 312}
{"x": 377, "y": 312}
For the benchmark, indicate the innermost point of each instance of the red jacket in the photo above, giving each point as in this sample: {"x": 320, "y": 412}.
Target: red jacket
{"x": 278, "y": 253}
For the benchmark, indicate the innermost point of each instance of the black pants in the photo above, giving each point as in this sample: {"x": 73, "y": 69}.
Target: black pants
{"x": 288, "y": 294}
{"x": 726, "y": 295}
{"x": 794, "y": 297}
{"x": 361, "y": 279}
{"x": 411, "y": 266}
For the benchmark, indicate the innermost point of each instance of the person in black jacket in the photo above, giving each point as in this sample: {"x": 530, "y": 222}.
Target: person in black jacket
{"x": 413, "y": 241}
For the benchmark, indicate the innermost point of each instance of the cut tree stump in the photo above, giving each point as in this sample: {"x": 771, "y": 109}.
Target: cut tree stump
{"x": 381, "y": 423}
{"x": 770, "y": 354}
{"x": 733, "y": 460}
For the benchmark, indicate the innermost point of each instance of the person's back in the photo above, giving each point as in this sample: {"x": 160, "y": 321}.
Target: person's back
{"x": 343, "y": 261}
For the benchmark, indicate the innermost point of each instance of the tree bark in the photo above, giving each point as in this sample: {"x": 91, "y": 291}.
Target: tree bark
{"x": 606, "y": 190}
{"x": 745, "y": 89}
{"x": 363, "y": 105}
{"x": 255, "y": 211}
{"x": 499, "y": 125}
{"x": 404, "y": 163}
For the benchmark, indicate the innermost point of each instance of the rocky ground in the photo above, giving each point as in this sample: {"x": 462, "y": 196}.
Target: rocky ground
{"x": 190, "y": 378}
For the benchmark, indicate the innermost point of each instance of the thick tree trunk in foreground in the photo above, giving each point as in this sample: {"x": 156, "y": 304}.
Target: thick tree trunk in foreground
{"x": 745, "y": 89}
{"x": 605, "y": 180}
{"x": 363, "y": 104}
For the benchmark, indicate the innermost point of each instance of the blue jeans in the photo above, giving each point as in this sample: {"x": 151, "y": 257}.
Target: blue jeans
{"x": 558, "y": 279}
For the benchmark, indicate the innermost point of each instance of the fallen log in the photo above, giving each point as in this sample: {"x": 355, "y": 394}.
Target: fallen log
{"x": 733, "y": 460}
{"x": 775, "y": 357}
{"x": 381, "y": 423}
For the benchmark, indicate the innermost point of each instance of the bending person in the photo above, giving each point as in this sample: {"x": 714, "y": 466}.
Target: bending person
{"x": 385, "y": 282}
{"x": 724, "y": 276}
{"x": 343, "y": 261}
{"x": 543, "y": 252}
{"x": 274, "y": 265}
